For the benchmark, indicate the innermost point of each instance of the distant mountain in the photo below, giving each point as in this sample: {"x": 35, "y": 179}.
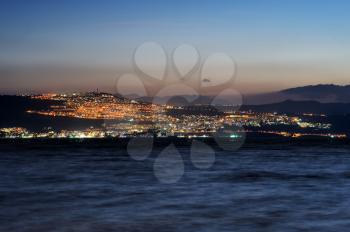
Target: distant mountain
{"x": 320, "y": 93}
{"x": 297, "y": 107}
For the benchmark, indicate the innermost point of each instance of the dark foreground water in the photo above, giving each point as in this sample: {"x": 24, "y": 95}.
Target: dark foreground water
{"x": 284, "y": 188}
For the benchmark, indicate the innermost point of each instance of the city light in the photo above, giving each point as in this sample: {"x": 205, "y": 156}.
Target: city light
{"x": 129, "y": 118}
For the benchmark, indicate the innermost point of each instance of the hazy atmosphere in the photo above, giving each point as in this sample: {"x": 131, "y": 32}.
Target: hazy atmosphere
{"x": 83, "y": 45}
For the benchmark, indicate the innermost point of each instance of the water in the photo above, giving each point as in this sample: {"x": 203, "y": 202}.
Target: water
{"x": 286, "y": 188}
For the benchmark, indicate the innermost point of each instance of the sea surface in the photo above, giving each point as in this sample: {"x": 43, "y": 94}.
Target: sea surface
{"x": 257, "y": 188}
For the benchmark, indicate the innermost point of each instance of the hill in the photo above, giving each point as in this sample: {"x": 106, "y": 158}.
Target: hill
{"x": 297, "y": 107}
{"x": 321, "y": 93}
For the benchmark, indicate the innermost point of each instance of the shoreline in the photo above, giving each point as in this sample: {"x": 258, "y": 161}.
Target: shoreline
{"x": 249, "y": 142}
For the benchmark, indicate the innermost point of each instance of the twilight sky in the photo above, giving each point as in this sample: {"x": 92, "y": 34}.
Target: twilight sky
{"x": 83, "y": 45}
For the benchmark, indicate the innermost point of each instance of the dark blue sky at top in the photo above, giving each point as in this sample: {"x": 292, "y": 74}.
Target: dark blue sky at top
{"x": 310, "y": 38}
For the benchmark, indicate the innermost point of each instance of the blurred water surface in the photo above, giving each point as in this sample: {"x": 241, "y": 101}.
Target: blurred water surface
{"x": 102, "y": 189}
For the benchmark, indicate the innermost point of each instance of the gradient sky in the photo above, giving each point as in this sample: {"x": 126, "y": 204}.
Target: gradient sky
{"x": 83, "y": 45}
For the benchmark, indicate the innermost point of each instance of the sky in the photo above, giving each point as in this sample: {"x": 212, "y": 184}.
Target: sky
{"x": 76, "y": 45}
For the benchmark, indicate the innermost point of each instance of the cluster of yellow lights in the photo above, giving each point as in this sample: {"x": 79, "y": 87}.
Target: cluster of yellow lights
{"x": 109, "y": 108}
